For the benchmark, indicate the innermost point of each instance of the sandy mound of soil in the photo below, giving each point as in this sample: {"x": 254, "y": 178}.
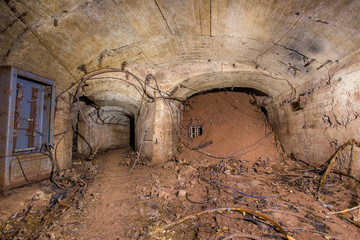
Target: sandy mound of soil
{"x": 232, "y": 127}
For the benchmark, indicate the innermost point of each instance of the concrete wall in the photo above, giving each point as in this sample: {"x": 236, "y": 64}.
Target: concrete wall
{"x": 311, "y": 121}
{"x": 164, "y": 138}
{"x": 159, "y": 120}
{"x": 62, "y": 125}
{"x": 144, "y": 122}
{"x": 113, "y": 136}
{"x": 323, "y": 117}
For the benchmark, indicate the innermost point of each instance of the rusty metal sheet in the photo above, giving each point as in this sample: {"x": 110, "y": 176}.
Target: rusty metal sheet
{"x": 29, "y": 167}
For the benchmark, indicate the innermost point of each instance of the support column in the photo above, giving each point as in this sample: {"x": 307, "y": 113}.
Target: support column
{"x": 145, "y": 122}
{"x": 163, "y": 145}
{"x": 63, "y": 131}
{"x": 160, "y": 139}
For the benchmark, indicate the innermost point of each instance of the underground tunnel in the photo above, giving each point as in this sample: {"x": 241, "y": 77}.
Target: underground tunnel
{"x": 169, "y": 119}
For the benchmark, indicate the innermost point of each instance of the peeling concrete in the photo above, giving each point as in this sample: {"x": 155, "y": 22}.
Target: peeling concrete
{"x": 330, "y": 113}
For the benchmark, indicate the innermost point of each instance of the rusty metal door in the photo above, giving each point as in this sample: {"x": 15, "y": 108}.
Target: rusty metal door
{"x": 27, "y": 106}
{"x": 32, "y": 116}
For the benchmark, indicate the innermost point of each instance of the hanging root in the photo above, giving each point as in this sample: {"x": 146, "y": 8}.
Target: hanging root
{"x": 221, "y": 210}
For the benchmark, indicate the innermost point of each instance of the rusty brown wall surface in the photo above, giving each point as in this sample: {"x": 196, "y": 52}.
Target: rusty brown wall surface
{"x": 28, "y": 167}
{"x": 313, "y": 126}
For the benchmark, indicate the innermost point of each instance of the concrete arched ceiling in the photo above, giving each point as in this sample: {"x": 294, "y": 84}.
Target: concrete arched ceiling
{"x": 280, "y": 43}
{"x": 112, "y": 98}
{"x": 259, "y": 81}
{"x": 115, "y": 90}
{"x": 108, "y": 115}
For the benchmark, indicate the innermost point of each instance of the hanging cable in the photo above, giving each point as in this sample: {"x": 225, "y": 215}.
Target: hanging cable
{"x": 21, "y": 168}
{"x": 143, "y": 85}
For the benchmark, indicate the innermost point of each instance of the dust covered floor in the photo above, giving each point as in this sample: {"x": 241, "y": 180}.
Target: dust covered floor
{"x": 252, "y": 177}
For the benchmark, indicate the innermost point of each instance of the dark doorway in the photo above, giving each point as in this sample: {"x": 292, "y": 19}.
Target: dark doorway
{"x": 132, "y": 132}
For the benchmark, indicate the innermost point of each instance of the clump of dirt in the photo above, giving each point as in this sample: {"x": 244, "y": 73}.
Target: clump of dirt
{"x": 130, "y": 157}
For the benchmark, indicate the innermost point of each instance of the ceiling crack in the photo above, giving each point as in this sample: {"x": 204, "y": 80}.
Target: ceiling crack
{"x": 162, "y": 14}
{"x": 283, "y": 36}
{"x": 211, "y": 18}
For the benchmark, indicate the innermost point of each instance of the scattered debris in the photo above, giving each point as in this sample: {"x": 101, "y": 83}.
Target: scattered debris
{"x": 129, "y": 157}
{"x": 324, "y": 64}
{"x": 161, "y": 230}
{"x": 351, "y": 142}
{"x": 38, "y": 219}
{"x": 175, "y": 202}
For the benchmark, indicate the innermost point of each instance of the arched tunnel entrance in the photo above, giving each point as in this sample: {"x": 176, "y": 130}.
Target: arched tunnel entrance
{"x": 227, "y": 123}
{"x": 115, "y": 126}
{"x": 225, "y": 117}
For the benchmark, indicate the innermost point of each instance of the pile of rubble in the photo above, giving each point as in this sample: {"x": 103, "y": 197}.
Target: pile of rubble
{"x": 129, "y": 157}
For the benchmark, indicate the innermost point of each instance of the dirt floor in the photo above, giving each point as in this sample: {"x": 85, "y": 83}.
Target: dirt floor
{"x": 250, "y": 190}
